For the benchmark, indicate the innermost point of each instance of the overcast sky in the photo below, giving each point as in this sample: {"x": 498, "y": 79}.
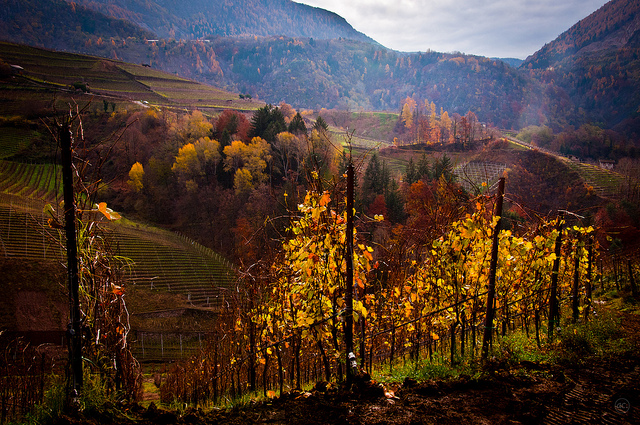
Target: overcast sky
{"x": 492, "y": 28}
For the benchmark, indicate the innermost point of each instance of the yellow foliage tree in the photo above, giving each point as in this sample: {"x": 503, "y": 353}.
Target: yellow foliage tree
{"x": 186, "y": 161}
{"x": 136, "y": 174}
{"x": 252, "y": 158}
{"x": 407, "y": 116}
{"x": 242, "y": 181}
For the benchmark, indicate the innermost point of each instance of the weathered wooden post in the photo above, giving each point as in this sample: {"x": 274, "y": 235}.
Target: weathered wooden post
{"x": 575, "y": 299}
{"x": 554, "y": 310}
{"x": 75, "y": 322}
{"x": 493, "y": 265}
{"x": 348, "y": 322}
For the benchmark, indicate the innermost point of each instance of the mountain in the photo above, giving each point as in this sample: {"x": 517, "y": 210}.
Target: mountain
{"x": 614, "y": 26}
{"x": 306, "y": 72}
{"x": 60, "y": 25}
{"x": 193, "y": 19}
{"x": 592, "y": 70}
{"x": 310, "y": 58}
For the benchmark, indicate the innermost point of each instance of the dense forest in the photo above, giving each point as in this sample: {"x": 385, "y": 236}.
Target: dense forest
{"x": 172, "y": 19}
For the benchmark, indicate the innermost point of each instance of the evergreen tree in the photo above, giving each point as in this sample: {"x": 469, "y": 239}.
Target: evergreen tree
{"x": 267, "y": 122}
{"x": 443, "y": 167}
{"x": 411, "y": 174}
{"x": 320, "y": 125}
{"x": 424, "y": 169}
{"x": 297, "y": 126}
{"x": 375, "y": 180}
{"x": 394, "y": 203}
{"x": 225, "y": 139}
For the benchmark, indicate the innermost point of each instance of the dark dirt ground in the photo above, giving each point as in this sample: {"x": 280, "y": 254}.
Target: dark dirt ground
{"x": 591, "y": 391}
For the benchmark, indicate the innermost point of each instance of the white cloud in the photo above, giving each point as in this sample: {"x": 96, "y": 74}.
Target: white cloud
{"x": 503, "y": 28}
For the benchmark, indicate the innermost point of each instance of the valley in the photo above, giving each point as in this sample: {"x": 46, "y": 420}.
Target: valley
{"x": 254, "y": 206}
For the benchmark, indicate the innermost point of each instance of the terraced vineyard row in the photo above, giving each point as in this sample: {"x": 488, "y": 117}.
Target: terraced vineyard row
{"x": 114, "y": 80}
{"x": 605, "y": 183}
{"x": 11, "y": 140}
{"x": 167, "y": 261}
{"x": 162, "y": 260}
{"x": 30, "y": 180}
{"x": 472, "y": 175}
{"x": 23, "y": 233}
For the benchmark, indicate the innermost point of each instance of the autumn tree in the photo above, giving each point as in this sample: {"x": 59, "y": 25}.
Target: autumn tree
{"x": 235, "y": 124}
{"x": 320, "y": 155}
{"x": 136, "y": 175}
{"x": 197, "y": 162}
{"x": 445, "y": 128}
{"x": 288, "y": 150}
{"x": 248, "y": 163}
{"x": 432, "y": 206}
{"x": 194, "y": 126}
{"x": 407, "y": 116}
{"x": 287, "y": 112}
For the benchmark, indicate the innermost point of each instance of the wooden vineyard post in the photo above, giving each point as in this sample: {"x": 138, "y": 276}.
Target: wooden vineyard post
{"x": 632, "y": 280}
{"x": 554, "y": 311}
{"x": 75, "y": 326}
{"x": 348, "y": 322}
{"x": 588, "y": 287}
{"x": 493, "y": 265}
{"x": 575, "y": 300}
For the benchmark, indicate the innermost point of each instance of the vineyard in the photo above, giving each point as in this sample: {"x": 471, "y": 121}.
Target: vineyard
{"x": 604, "y": 182}
{"x": 39, "y": 181}
{"x": 431, "y": 303}
{"x": 161, "y": 260}
{"x": 283, "y": 326}
{"x": 12, "y": 141}
{"x": 49, "y": 76}
{"x": 476, "y": 175}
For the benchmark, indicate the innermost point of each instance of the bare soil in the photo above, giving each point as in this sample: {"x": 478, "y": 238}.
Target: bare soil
{"x": 591, "y": 391}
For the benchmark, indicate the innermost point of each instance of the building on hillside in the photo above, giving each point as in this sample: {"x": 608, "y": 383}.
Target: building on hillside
{"x": 607, "y": 164}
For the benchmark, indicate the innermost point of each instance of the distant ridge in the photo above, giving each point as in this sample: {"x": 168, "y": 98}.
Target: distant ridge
{"x": 205, "y": 18}
{"x": 595, "y": 64}
{"x": 614, "y": 26}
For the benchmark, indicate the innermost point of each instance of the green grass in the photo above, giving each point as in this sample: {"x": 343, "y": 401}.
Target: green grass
{"x": 31, "y": 180}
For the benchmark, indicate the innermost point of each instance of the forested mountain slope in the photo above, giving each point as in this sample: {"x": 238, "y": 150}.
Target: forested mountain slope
{"x": 592, "y": 70}
{"x": 313, "y": 59}
{"x": 60, "y": 25}
{"x": 202, "y": 18}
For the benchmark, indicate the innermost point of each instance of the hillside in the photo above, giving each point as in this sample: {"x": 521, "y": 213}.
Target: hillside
{"x": 311, "y": 58}
{"x": 613, "y": 26}
{"x": 593, "y": 69}
{"x": 47, "y": 75}
{"x": 61, "y": 25}
{"x": 193, "y": 19}
{"x": 306, "y": 72}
